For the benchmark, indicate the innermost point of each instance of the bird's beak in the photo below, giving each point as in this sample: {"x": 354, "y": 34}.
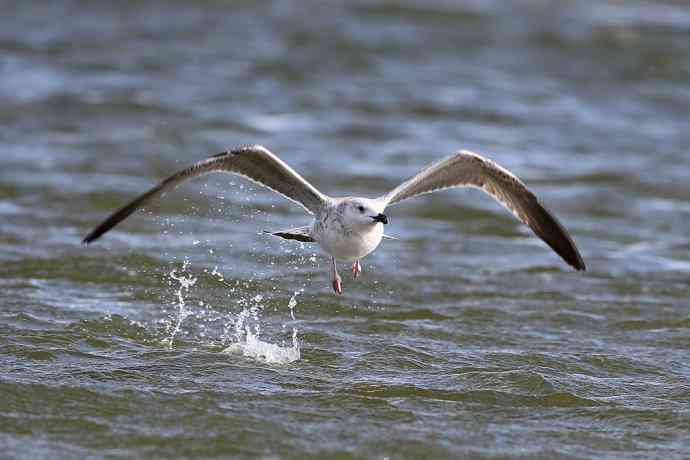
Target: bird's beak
{"x": 380, "y": 218}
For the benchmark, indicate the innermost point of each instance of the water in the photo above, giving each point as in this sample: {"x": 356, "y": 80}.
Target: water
{"x": 187, "y": 332}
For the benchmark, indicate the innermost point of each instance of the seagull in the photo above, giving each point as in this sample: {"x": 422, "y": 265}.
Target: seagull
{"x": 350, "y": 228}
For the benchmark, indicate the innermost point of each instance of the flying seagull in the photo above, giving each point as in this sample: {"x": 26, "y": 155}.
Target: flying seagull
{"x": 349, "y": 228}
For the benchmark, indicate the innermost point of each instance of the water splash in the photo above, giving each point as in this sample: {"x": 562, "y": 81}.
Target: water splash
{"x": 253, "y": 347}
{"x": 242, "y": 330}
{"x": 184, "y": 283}
{"x": 248, "y": 343}
{"x": 293, "y": 303}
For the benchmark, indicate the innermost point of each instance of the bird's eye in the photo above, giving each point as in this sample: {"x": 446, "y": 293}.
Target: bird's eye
{"x": 361, "y": 208}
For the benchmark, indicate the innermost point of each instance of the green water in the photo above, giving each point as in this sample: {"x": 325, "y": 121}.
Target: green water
{"x": 188, "y": 333}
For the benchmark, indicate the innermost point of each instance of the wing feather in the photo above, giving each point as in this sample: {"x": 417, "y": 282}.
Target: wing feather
{"x": 467, "y": 169}
{"x": 254, "y": 162}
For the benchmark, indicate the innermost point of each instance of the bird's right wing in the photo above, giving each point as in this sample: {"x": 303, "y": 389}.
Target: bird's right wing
{"x": 467, "y": 169}
{"x": 254, "y": 162}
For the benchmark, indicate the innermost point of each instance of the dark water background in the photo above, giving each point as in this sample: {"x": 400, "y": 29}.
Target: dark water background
{"x": 467, "y": 338}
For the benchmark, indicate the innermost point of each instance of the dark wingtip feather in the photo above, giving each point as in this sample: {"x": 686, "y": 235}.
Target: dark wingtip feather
{"x": 121, "y": 214}
{"x": 95, "y": 234}
{"x": 201, "y": 167}
{"x": 91, "y": 236}
{"x": 547, "y": 227}
{"x": 580, "y": 264}
{"x": 99, "y": 231}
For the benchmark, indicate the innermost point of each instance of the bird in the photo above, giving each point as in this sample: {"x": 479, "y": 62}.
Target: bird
{"x": 349, "y": 228}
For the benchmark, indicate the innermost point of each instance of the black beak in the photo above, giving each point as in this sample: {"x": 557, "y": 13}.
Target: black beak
{"x": 380, "y": 218}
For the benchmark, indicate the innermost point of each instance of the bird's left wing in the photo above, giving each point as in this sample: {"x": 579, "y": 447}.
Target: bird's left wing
{"x": 254, "y": 162}
{"x": 467, "y": 169}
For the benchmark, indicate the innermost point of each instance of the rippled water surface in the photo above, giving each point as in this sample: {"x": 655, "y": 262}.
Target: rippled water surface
{"x": 187, "y": 332}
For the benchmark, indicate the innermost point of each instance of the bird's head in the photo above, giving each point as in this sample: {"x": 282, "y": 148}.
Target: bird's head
{"x": 362, "y": 212}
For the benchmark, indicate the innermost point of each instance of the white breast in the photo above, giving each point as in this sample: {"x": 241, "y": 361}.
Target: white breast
{"x": 348, "y": 244}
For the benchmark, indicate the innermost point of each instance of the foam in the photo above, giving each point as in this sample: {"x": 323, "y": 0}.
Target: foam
{"x": 251, "y": 346}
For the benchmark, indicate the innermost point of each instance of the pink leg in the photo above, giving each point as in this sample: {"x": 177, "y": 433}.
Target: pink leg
{"x": 356, "y": 269}
{"x": 335, "y": 278}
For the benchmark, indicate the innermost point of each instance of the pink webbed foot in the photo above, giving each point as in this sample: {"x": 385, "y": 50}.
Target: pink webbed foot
{"x": 335, "y": 278}
{"x": 356, "y": 269}
{"x": 337, "y": 286}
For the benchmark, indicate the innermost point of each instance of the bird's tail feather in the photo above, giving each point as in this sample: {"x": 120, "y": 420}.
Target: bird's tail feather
{"x": 302, "y": 234}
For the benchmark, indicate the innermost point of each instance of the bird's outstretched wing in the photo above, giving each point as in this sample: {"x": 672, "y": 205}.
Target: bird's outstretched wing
{"x": 467, "y": 169}
{"x": 254, "y": 162}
